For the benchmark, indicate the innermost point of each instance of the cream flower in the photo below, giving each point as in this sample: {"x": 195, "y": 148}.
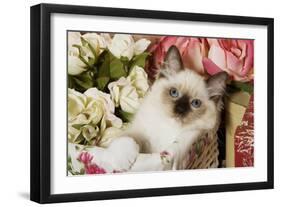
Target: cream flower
{"x": 140, "y": 46}
{"x": 129, "y": 99}
{"x": 124, "y": 95}
{"x": 89, "y": 132}
{"x": 109, "y": 108}
{"x": 75, "y": 65}
{"x": 75, "y": 62}
{"x": 74, "y": 38}
{"x": 76, "y": 103}
{"x": 138, "y": 79}
{"x": 123, "y": 45}
{"x": 89, "y": 114}
{"x": 73, "y": 133}
{"x": 83, "y": 50}
{"x": 97, "y": 42}
{"x": 115, "y": 89}
{"x": 128, "y": 92}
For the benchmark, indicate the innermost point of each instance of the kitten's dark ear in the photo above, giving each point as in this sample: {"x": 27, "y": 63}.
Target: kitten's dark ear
{"x": 216, "y": 85}
{"x": 172, "y": 62}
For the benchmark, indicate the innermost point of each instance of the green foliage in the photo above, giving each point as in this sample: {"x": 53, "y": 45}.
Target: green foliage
{"x": 103, "y": 68}
{"x": 139, "y": 60}
{"x": 236, "y": 86}
{"x": 125, "y": 116}
{"x": 81, "y": 82}
{"x": 103, "y": 64}
{"x": 102, "y": 82}
{"x": 116, "y": 68}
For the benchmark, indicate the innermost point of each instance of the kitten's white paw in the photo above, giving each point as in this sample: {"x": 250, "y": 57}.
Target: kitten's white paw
{"x": 169, "y": 159}
{"x": 175, "y": 157}
{"x": 118, "y": 157}
{"x": 124, "y": 152}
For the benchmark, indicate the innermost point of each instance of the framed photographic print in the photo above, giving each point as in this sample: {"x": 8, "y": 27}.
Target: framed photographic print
{"x": 132, "y": 103}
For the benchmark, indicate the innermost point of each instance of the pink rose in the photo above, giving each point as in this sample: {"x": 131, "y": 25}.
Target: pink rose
{"x": 192, "y": 50}
{"x": 194, "y": 53}
{"x": 233, "y": 56}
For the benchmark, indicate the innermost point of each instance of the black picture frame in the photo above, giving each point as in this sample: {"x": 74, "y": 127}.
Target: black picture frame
{"x": 41, "y": 95}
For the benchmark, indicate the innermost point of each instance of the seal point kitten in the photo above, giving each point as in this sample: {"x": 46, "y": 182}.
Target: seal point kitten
{"x": 179, "y": 101}
{"x": 179, "y": 107}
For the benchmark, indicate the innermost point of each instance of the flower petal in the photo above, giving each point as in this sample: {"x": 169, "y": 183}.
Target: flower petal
{"x": 75, "y": 65}
{"x": 140, "y": 46}
{"x": 192, "y": 57}
{"x": 233, "y": 63}
{"x": 217, "y": 55}
{"x": 211, "y": 67}
{"x": 129, "y": 100}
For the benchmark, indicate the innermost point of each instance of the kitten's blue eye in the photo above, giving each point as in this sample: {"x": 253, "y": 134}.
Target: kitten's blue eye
{"x": 174, "y": 92}
{"x": 196, "y": 103}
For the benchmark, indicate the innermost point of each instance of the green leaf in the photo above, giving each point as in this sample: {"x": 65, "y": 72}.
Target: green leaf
{"x": 104, "y": 64}
{"x": 127, "y": 117}
{"x": 91, "y": 61}
{"x": 125, "y": 60}
{"x": 84, "y": 80}
{"x": 83, "y": 41}
{"x": 139, "y": 60}
{"x": 102, "y": 82}
{"x": 93, "y": 50}
{"x": 68, "y": 159}
{"x": 117, "y": 69}
{"x": 246, "y": 87}
{"x": 70, "y": 82}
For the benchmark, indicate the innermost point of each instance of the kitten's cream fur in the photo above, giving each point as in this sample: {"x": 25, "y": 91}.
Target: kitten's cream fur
{"x": 157, "y": 128}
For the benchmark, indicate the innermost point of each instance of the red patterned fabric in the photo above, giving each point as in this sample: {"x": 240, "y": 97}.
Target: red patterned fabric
{"x": 244, "y": 138}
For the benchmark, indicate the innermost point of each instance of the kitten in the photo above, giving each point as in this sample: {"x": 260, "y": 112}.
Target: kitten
{"x": 178, "y": 108}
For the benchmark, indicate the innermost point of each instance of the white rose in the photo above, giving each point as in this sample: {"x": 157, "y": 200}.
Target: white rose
{"x": 115, "y": 89}
{"x": 106, "y": 38}
{"x": 97, "y": 95}
{"x": 124, "y": 95}
{"x": 109, "y": 108}
{"x": 73, "y": 133}
{"x": 138, "y": 79}
{"x": 122, "y": 45}
{"x": 89, "y": 132}
{"x": 75, "y": 64}
{"x": 74, "y": 38}
{"x": 80, "y": 54}
{"x": 129, "y": 99}
{"x": 94, "y": 110}
{"x": 75, "y": 55}
{"x": 140, "y": 46}
{"x": 98, "y": 42}
{"x": 90, "y": 114}
{"x": 76, "y": 103}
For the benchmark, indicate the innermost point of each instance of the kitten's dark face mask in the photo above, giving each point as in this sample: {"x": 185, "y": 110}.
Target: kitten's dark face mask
{"x": 182, "y": 106}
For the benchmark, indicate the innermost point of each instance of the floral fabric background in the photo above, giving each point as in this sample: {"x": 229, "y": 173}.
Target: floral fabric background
{"x": 109, "y": 75}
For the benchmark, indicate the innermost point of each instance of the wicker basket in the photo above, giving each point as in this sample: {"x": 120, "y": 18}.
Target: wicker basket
{"x": 208, "y": 155}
